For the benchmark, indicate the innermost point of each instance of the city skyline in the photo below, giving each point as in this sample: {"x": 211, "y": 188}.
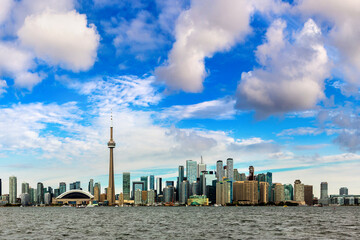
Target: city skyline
{"x": 269, "y": 83}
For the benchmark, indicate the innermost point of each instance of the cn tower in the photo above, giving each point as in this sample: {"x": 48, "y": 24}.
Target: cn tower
{"x": 111, "y": 188}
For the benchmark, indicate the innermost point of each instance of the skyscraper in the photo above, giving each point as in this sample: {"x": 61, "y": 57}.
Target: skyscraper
{"x": 126, "y": 185}
{"x": 0, "y": 187}
{"x": 25, "y": 188}
{"x": 137, "y": 185}
{"x": 159, "y": 189}
{"x": 308, "y": 194}
{"x": 12, "y": 189}
{"x": 152, "y": 182}
{"x": 344, "y": 191}
{"x": 111, "y": 188}
{"x": 181, "y": 174}
{"x": 251, "y": 176}
{"x": 298, "y": 191}
{"x": 236, "y": 175}
{"x": 191, "y": 171}
{"x": 145, "y": 180}
{"x": 91, "y": 186}
{"x": 289, "y": 192}
{"x": 40, "y": 193}
{"x": 62, "y": 187}
{"x": 269, "y": 181}
{"x": 324, "y": 190}
{"x": 201, "y": 167}
{"x": 278, "y": 192}
{"x": 230, "y": 169}
{"x": 184, "y": 192}
{"x": 219, "y": 170}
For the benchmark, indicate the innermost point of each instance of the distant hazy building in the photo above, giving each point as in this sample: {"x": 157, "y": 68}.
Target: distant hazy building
{"x": 62, "y": 187}
{"x": 32, "y": 195}
{"x": 195, "y": 188}
{"x": 219, "y": 170}
{"x": 288, "y": 192}
{"x": 75, "y": 185}
{"x": 236, "y": 175}
{"x": 126, "y": 185}
{"x": 308, "y": 195}
{"x": 0, "y": 187}
{"x": 298, "y": 191}
{"x": 97, "y": 192}
{"x": 12, "y": 189}
{"x": 152, "y": 182}
{"x": 242, "y": 177}
{"x": 201, "y": 167}
{"x": 245, "y": 192}
{"x": 57, "y": 192}
{"x": 159, "y": 189}
{"x": 191, "y": 170}
{"x": 25, "y": 188}
{"x": 91, "y": 186}
{"x": 40, "y": 194}
{"x": 343, "y": 191}
{"x": 251, "y": 176}
{"x": 278, "y": 190}
{"x": 230, "y": 169}
{"x": 145, "y": 180}
{"x": 263, "y": 192}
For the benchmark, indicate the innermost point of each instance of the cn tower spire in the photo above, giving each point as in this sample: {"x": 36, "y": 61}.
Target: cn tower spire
{"x": 111, "y": 188}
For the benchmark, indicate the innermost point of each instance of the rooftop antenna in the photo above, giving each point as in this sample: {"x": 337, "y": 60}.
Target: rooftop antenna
{"x": 111, "y": 118}
{"x": 201, "y": 160}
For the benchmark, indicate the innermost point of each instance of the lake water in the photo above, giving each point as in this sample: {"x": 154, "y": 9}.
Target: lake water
{"x": 180, "y": 223}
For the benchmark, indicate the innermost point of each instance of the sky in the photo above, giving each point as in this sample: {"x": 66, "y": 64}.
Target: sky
{"x": 269, "y": 83}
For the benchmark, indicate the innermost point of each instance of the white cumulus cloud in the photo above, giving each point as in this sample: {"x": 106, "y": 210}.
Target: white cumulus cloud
{"x": 292, "y": 74}
{"x": 62, "y": 38}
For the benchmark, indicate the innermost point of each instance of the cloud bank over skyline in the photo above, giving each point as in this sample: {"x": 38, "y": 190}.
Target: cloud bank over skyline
{"x": 271, "y": 83}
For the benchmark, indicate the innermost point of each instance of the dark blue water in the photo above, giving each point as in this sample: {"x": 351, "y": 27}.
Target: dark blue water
{"x": 180, "y": 223}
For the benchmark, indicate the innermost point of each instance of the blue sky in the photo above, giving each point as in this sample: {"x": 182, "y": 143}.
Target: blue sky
{"x": 270, "y": 83}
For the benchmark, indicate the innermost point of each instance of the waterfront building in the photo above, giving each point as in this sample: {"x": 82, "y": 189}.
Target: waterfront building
{"x": 47, "y": 198}
{"x": 298, "y": 191}
{"x": 126, "y": 185}
{"x": 263, "y": 192}
{"x": 224, "y": 192}
{"x": 40, "y": 193}
{"x": 245, "y": 192}
{"x": 91, "y": 186}
{"x": 219, "y": 170}
{"x": 230, "y": 169}
{"x": 25, "y": 199}
{"x": 75, "y": 197}
{"x": 0, "y": 187}
{"x": 103, "y": 197}
{"x": 169, "y": 194}
{"x": 152, "y": 182}
{"x": 343, "y": 191}
{"x": 25, "y": 188}
{"x": 32, "y": 196}
{"x": 198, "y": 201}
{"x": 62, "y": 187}
{"x": 324, "y": 197}
{"x": 145, "y": 180}
{"x": 151, "y": 197}
{"x": 278, "y": 193}
{"x": 269, "y": 181}
{"x": 308, "y": 195}
{"x": 288, "y": 192}
{"x": 138, "y": 197}
{"x": 137, "y": 185}
{"x": 111, "y": 188}
{"x": 12, "y": 189}
{"x": 201, "y": 167}
{"x": 97, "y": 192}
{"x": 191, "y": 170}
{"x": 184, "y": 192}
{"x": 144, "y": 195}
{"x": 211, "y": 192}
{"x": 159, "y": 189}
